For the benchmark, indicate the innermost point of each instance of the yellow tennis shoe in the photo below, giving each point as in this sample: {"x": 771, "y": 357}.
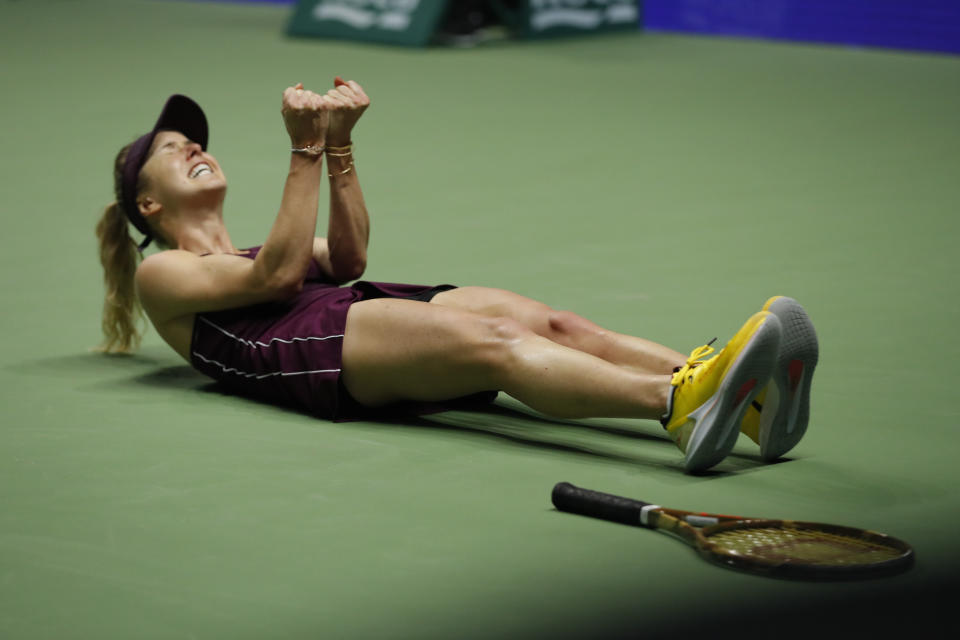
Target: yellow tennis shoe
{"x": 709, "y": 396}
{"x": 778, "y": 418}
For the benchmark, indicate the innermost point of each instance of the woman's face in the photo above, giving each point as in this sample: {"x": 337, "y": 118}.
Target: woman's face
{"x": 178, "y": 172}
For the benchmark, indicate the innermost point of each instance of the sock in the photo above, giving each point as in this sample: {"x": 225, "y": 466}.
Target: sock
{"x": 666, "y": 416}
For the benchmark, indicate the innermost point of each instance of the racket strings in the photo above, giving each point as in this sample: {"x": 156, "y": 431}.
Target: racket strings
{"x": 807, "y": 546}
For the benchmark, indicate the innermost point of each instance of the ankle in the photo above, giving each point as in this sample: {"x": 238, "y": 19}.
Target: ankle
{"x": 665, "y": 405}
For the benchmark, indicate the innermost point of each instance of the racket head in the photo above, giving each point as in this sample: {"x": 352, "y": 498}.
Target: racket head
{"x": 804, "y": 550}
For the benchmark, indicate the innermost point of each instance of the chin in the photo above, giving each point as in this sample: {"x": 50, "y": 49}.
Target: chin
{"x": 212, "y": 185}
{"x": 212, "y": 193}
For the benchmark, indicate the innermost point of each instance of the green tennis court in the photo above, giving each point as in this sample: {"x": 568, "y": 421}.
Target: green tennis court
{"x": 661, "y": 185}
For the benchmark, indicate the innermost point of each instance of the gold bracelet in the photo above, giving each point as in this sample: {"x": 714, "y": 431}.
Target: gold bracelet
{"x": 345, "y": 171}
{"x": 341, "y": 152}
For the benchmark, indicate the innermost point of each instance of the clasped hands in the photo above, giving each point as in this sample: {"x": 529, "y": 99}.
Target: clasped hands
{"x": 315, "y": 120}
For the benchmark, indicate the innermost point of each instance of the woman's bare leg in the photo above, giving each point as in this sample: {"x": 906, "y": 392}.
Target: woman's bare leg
{"x": 566, "y": 328}
{"x": 405, "y": 350}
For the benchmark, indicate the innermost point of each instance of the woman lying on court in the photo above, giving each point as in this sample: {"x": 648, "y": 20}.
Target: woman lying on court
{"x": 277, "y": 323}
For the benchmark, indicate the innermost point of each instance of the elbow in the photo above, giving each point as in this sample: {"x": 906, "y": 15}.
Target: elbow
{"x": 357, "y": 267}
{"x": 347, "y": 270}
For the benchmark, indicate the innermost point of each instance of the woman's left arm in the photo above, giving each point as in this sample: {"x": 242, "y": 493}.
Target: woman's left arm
{"x": 348, "y": 230}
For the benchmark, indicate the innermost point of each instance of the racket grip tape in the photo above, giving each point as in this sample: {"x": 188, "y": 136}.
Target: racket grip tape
{"x": 587, "y": 502}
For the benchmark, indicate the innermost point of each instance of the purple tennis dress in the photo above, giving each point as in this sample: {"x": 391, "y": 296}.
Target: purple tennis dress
{"x": 289, "y": 353}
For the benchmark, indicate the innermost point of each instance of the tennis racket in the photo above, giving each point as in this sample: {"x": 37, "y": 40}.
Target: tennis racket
{"x": 781, "y": 548}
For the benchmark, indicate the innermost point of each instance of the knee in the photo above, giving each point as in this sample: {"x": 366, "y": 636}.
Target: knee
{"x": 496, "y": 341}
{"x": 566, "y": 324}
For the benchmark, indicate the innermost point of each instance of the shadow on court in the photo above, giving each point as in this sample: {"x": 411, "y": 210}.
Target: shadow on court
{"x": 632, "y": 442}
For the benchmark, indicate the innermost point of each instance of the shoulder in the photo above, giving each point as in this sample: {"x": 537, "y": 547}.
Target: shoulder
{"x": 158, "y": 274}
{"x": 159, "y": 264}
{"x": 165, "y": 257}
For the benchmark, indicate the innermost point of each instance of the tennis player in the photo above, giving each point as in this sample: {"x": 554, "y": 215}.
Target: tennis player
{"x": 277, "y": 322}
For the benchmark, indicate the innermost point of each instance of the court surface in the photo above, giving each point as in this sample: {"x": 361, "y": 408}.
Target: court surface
{"x": 661, "y": 185}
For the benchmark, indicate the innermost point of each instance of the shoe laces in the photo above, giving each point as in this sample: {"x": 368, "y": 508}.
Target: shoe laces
{"x": 695, "y": 360}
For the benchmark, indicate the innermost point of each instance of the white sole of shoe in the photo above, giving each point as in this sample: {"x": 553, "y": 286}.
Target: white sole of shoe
{"x": 718, "y": 420}
{"x": 786, "y": 408}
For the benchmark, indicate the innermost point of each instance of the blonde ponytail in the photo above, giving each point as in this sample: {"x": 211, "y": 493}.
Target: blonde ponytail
{"x": 121, "y": 308}
{"x": 122, "y": 313}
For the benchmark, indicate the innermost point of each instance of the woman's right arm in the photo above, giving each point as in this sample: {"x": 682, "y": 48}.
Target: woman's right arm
{"x": 286, "y": 254}
{"x": 175, "y": 283}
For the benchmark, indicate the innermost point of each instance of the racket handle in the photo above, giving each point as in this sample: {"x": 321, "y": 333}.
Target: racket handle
{"x": 586, "y": 502}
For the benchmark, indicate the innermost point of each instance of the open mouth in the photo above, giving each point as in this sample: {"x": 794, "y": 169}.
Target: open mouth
{"x": 199, "y": 170}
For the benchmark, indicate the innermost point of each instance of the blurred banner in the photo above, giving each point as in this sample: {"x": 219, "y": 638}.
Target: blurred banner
{"x": 404, "y": 22}
{"x": 557, "y": 17}
{"x": 420, "y": 22}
